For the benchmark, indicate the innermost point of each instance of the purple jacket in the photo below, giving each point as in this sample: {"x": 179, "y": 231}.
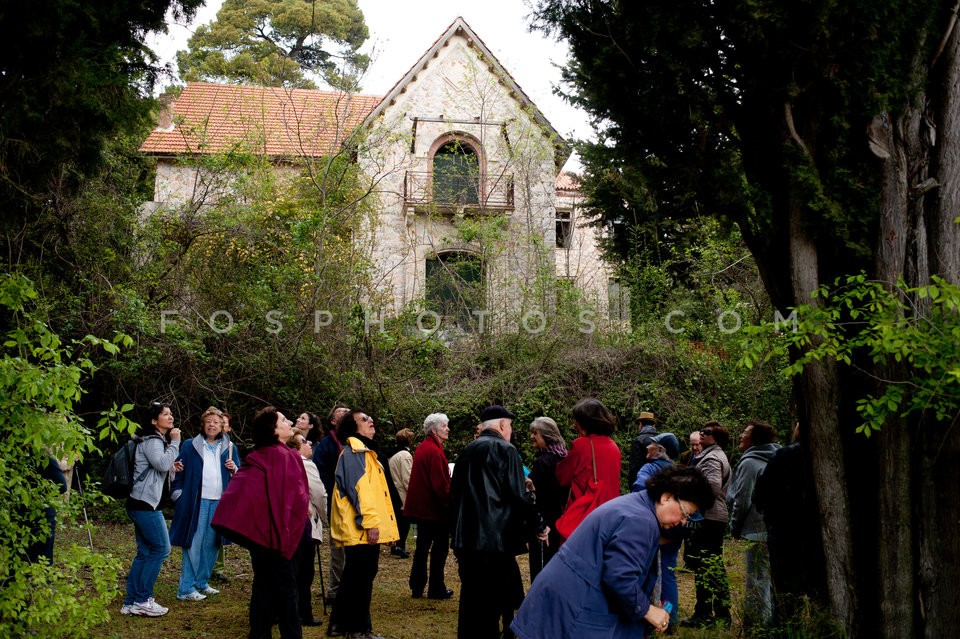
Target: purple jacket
{"x": 267, "y": 501}
{"x": 600, "y": 581}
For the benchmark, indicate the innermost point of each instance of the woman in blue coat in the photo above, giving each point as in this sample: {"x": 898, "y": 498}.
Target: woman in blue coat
{"x": 209, "y": 460}
{"x": 601, "y": 583}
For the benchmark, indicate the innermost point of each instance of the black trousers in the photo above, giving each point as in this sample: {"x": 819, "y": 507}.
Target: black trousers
{"x": 403, "y": 527}
{"x": 433, "y": 540}
{"x": 705, "y": 557}
{"x": 306, "y": 570}
{"x": 351, "y": 610}
{"x": 273, "y": 595}
{"x": 491, "y": 590}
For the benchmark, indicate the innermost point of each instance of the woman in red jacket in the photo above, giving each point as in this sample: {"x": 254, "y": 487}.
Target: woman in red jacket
{"x": 428, "y": 501}
{"x": 594, "y": 424}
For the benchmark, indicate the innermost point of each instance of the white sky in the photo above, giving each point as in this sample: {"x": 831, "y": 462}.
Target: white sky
{"x": 402, "y": 30}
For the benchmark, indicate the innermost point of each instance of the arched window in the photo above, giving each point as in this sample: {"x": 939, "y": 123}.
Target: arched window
{"x": 455, "y": 288}
{"x": 456, "y": 174}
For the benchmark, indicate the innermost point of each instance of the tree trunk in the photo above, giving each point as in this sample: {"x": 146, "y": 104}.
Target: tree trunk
{"x": 939, "y": 443}
{"x": 895, "y": 541}
{"x": 918, "y": 558}
{"x": 945, "y": 240}
{"x": 818, "y": 403}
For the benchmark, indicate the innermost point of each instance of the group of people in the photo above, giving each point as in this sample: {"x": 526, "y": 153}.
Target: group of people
{"x": 748, "y": 501}
{"x": 610, "y": 572}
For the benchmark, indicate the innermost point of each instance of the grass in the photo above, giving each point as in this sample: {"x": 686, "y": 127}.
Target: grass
{"x": 395, "y": 614}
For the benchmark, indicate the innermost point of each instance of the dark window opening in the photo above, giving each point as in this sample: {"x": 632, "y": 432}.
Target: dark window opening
{"x": 455, "y": 288}
{"x": 564, "y": 229}
{"x": 456, "y": 175}
{"x": 618, "y": 296}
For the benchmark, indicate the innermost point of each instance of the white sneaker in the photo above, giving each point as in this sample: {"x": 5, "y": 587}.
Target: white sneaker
{"x": 192, "y": 596}
{"x": 210, "y": 590}
{"x": 125, "y": 609}
{"x": 148, "y": 608}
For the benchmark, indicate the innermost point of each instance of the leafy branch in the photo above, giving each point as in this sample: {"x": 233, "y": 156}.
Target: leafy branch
{"x": 912, "y": 332}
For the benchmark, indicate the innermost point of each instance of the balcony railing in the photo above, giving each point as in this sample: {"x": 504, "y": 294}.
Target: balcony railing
{"x": 466, "y": 192}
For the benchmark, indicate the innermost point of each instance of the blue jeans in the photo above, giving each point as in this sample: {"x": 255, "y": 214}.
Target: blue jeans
{"x": 758, "y": 591}
{"x": 153, "y": 547}
{"x": 199, "y": 558}
{"x": 668, "y": 567}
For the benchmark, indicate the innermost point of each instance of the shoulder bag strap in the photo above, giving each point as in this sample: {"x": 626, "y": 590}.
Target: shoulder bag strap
{"x": 593, "y": 455}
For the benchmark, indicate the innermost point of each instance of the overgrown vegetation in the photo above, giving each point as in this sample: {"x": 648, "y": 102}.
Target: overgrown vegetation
{"x": 264, "y": 297}
{"x": 41, "y": 380}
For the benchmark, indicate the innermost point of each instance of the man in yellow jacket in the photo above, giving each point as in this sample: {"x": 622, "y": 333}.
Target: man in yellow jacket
{"x": 361, "y": 518}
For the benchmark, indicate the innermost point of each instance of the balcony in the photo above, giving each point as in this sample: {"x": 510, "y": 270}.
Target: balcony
{"x": 455, "y": 193}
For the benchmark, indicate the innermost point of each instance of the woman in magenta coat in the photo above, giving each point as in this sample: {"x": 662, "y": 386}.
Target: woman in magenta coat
{"x": 265, "y": 509}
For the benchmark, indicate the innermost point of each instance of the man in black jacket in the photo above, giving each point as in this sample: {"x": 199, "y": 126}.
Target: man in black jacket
{"x": 638, "y": 448}
{"x": 493, "y": 516}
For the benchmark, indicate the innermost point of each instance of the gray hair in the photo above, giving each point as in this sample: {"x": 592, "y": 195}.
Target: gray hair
{"x": 491, "y": 423}
{"x": 434, "y": 422}
{"x": 548, "y": 430}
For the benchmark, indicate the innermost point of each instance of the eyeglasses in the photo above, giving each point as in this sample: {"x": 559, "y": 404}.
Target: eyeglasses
{"x": 684, "y": 515}
{"x": 706, "y": 433}
{"x": 366, "y": 418}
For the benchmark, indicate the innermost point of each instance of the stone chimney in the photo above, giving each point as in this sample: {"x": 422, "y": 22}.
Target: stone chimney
{"x": 165, "y": 118}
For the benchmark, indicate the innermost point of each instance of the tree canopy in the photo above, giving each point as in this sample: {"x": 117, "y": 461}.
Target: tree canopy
{"x": 279, "y": 43}
{"x": 698, "y": 104}
{"x": 72, "y": 75}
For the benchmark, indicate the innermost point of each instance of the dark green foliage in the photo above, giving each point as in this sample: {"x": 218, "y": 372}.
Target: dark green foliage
{"x": 692, "y": 98}
{"x": 279, "y": 43}
{"x": 803, "y": 122}
{"x": 72, "y": 76}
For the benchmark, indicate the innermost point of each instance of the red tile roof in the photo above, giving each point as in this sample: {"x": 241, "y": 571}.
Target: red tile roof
{"x": 213, "y": 118}
{"x": 567, "y": 181}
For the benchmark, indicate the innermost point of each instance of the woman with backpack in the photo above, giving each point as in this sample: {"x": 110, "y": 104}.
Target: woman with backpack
{"x": 153, "y": 469}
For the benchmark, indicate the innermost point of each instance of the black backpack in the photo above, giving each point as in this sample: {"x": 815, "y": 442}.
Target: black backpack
{"x": 118, "y": 478}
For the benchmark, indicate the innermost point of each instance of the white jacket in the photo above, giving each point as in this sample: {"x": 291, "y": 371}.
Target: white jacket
{"x": 318, "y": 499}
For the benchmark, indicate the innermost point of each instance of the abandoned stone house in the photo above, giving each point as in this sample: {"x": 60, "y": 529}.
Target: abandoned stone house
{"x": 473, "y": 217}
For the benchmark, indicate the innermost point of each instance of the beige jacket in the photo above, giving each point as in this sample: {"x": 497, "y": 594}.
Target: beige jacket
{"x": 318, "y": 499}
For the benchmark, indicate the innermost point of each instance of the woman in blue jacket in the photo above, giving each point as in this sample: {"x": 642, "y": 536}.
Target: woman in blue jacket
{"x": 661, "y": 451}
{"x": 602, "y": 581}
{"x": 209, "y": 460}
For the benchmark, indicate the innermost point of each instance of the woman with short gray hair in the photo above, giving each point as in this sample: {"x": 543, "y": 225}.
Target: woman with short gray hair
{"x": 428, "y": 504}
{"x": 434, "y": 422}
{"x": 551, "y": 497}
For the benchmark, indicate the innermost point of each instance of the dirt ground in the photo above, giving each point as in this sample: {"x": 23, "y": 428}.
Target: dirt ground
{"x": 395, "y": 614}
